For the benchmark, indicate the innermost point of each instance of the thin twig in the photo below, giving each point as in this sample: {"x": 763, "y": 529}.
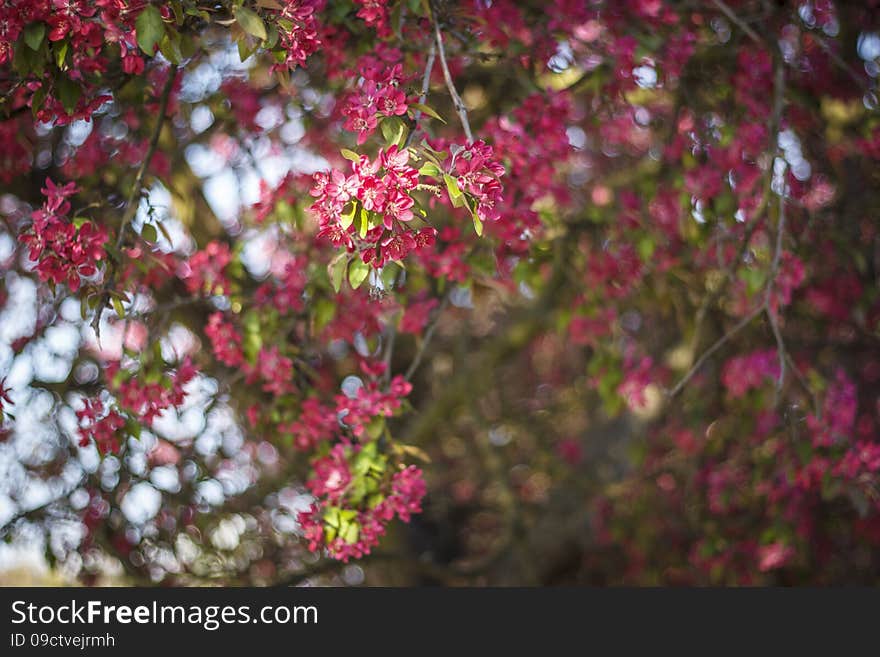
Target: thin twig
{"x": 755, "y": 222}
{"x": 740, "y": 23}
{"x": 776, "y": 120}
{"x": 745, "y": 321}
{"x": 426, "y": 79}
{"x": 132, "y": 207}
{"x": 456, "y": 99}
{"x": 777, "y": 252}
{"x": 389, "y": 351}
{"x": 771, "y": 316}
{"x": 429, "y": 333}
{"x": 837, "y": 59}
{"x": 799, "y": 377}
{"x": 423, "y": 96}
{"x": 729, "y": 271}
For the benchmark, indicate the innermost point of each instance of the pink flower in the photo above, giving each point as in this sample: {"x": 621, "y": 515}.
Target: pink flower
{"x": 205, "y": 271}
{"x": 331, "y": 475}
{"x": 392, "y": 102}
{"x": 4, "y": 396}
{"x": 416, "y": 315}
{"x": 773, "y": 556}
{"x": 743, "y": 373}
{"x": 225, "y": 341}
{"x": 837, "y": 422}
{"x": 101, "y": 425}
{"x": 62, "y": 252}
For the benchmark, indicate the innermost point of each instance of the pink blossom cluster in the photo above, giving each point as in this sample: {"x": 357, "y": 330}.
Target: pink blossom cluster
{"x": 448, "y": 258}
{"x": 377, "y": 94}
{"x": 375, "y": 14}
{"x": 863, "y": 458}
{"x": 416, "y": 315}
{"x": 331, "y": 475}
{"x": 86, "y": 26}
{"x": 205, "y": 271}
{"x": 790, "y": 276}
{"x": 637, "y": 373}
{"x": 100, "y": 146}
{"x": 273, "y": 369}
{"x": 63, "y": 252}
{"x": 380, "y": 187}
{"x": 284, "y": 293}
{"x": 101, "y": 424}
{"x": 225, "y": 340}
{"x": 298, "y": 30}
{"x": 332, "y": 481}
{"x": 371, "y": 402}
{"x": 588, "y": 329}
{"x": 743, "y": 373}
{"x": 477, "y": 172}
{"x": 315, "y": 424}
{"x": 15, "y": 158}
{"x": 147, "y": 400}
{"x": 270, "y": 367}
{"x": 837, "y": 421}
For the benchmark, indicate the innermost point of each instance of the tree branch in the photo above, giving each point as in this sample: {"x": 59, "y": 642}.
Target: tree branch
{"x": 780, "y": 233}
{"x": 426, "y": 340}
{"x": 456, "y": 99}
{"x": 130, "y": 206}
{"x": 745, "y": 321}
{"x": 740, "y": 23}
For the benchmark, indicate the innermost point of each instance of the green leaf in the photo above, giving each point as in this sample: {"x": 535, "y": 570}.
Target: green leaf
{"x": 325, "y": 310}
{"x": 364, "y": 224}
{"x": 349, "y": 532}
{"x": 429, "y": 169}
{"x": 246, "y": 48}
{"x": 389, "y": 274}
{"x": 33, "y": 35}
{"x": 455, "y": 193}
{"x": 148, "y": 232}
{"x": 358, "y": 273}
{"x": 60, "y": 49}
{"x": 177, "y": 8}
{"x": 169, "y": 46}
{"x": 68, "y": 93}
{"x": 646, "y": 248}
{"x": 376, "y": 427}
{"x": 117, "y": 306}
{"x": 38, "y": 99}
{"x": 347, "y": 218}
{"x": 478, "y": 224}
{"x": 331, "y": 516}
{"x": 350, "y": 155}
{"x": 272, "y": 38}
{"x": 25, "y": 61}
{"x": 427, "y": 109}
{"x": 150, "y": 29}
{"x": 394, "y": 130}
{"x": 336, "y": 270}
{"x": 164, "y": 231}
{"x": 251, "y": 22}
